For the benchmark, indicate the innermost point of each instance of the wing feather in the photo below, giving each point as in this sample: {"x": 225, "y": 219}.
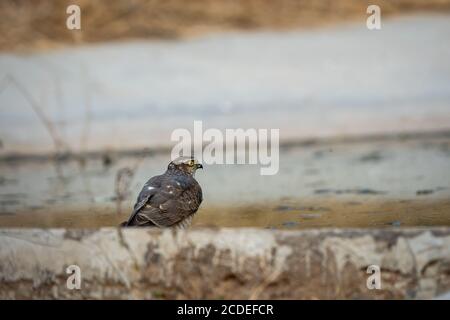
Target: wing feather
{"x": 169, "y": 203}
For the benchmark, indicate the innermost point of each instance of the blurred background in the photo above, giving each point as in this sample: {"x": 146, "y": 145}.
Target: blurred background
{"x": 364, "y": 115}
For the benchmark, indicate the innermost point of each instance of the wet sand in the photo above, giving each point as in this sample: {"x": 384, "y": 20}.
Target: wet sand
{"x": 288, "y": 214}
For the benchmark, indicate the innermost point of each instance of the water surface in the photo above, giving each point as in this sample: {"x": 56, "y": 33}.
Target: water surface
{"x": 364, "y": 184}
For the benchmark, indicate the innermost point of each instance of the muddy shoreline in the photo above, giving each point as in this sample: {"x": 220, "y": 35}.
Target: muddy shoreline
{"x": 289, "y": 214}
{"x": 224, "y": 263}
{"x": 384, "y": 181}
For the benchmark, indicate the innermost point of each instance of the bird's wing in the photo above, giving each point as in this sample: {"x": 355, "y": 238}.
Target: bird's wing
{"x": 176, "y": 199}
{"x": 149, "y": 189}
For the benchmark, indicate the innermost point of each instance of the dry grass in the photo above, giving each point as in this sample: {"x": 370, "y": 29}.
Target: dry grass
{"x": 40, "y": 24}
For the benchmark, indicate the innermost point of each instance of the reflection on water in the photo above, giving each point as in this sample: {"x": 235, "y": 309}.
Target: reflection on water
{"x": 375, "y": 184}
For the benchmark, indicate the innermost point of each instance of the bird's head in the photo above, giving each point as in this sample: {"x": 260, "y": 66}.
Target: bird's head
{"x": 185, "y": 164}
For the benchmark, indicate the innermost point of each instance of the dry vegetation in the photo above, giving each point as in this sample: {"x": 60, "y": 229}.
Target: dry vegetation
{"x": 40, "y": 24}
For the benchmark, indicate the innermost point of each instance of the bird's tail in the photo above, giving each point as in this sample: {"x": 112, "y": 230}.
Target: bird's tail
{"x": 124, "y": 224}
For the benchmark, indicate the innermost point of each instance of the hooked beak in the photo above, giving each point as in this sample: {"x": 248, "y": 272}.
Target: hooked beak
{"x": 199, "y": 166}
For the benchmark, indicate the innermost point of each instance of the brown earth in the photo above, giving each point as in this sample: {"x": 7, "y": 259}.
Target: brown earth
{"x": 225, "y": 263}
{"x": 41, "y": 24}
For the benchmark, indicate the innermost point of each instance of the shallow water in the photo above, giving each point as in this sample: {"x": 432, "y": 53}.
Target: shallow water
{"x": 333, "y": 81}
{"x": 367, "y": 184}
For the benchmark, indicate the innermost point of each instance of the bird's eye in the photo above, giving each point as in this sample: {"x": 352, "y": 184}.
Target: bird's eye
{"x": 191, "y": 162}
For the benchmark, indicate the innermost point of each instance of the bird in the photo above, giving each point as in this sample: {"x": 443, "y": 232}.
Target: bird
{"x": 169, "y": 200}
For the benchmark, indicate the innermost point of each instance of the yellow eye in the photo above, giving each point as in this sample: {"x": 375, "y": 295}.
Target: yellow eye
{"x": 191, "y": 162}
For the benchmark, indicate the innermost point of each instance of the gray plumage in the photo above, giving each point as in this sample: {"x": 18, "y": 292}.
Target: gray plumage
{"x": 170, "y": 199}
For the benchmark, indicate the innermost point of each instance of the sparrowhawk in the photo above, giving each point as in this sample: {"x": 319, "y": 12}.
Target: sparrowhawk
{"x": 170, "y": 199}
